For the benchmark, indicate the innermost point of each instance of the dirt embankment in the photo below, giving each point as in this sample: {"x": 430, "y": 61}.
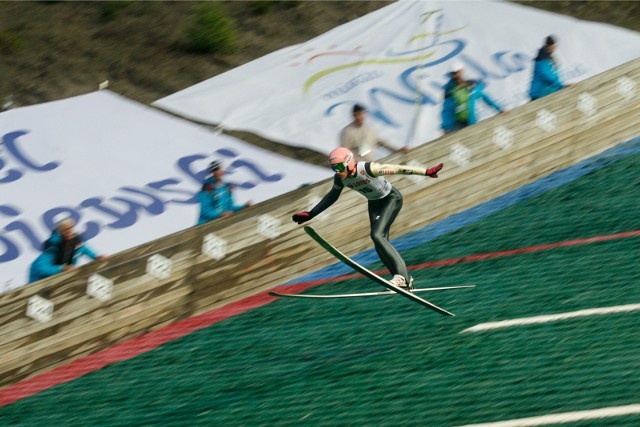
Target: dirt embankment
{"x": 54, "y": 50}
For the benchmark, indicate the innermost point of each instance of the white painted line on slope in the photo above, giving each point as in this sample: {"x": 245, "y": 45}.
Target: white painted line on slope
{"x": 552, "y": 317}
{"x": 566, "y": 417}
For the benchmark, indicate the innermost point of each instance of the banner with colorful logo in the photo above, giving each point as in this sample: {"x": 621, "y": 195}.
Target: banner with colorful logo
{"x": 394, "y": 62}
{"x": 125, "y": 172}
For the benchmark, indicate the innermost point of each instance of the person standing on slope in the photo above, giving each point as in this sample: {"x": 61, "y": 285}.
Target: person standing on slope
{"x": 384, "y": 202}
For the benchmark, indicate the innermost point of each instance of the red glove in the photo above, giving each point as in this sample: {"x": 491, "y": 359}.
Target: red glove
{"x": 433, "y": 172}
{"x": 301, "y": 217}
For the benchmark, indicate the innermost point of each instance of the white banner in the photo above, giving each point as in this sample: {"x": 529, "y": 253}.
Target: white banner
{"x": 126, "y": 172}
{"x": 302, "y": 95}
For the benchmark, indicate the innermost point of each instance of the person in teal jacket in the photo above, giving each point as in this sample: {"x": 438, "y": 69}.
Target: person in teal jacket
{"x": 60, "y": 252}
{"x": 216, "y": 197}
{"x": 460, "y": 98}
{"x": 546, "y": 79}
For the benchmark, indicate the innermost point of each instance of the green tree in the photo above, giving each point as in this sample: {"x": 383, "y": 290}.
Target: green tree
{"x": 212, "y": 30}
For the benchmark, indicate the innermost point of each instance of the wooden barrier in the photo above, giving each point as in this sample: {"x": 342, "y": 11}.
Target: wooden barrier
{"x": 260, "y": 247}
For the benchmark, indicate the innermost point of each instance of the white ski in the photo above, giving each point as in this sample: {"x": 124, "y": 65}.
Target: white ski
{"x": 364, "y": 294}
{"x": 371, "y": 275}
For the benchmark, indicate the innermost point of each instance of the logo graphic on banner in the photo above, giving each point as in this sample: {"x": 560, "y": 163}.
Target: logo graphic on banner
{"x": 395, "y": 62}
{"x": 125, "y": 181}
{"x": 17, "y": 154}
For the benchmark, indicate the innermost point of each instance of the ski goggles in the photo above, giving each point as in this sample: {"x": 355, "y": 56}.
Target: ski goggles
{"x": 339, "y": 167}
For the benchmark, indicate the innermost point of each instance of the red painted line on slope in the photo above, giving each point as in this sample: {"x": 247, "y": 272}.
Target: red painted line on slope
{"x": 135, "y": 346}
{"x": 525, "y": 250}
{"x": 476, "y": 257}
{"x": 129, "y": 348}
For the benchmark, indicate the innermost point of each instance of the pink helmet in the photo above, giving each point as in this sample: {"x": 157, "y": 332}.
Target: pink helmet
{"x": 341, "y": 158}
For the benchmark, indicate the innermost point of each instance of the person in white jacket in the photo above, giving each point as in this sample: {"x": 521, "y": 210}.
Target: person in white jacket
{"x": 362, "y": 139}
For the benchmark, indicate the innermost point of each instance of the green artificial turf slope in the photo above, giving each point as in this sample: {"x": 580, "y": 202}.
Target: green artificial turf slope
{"x": 388, "y": 361}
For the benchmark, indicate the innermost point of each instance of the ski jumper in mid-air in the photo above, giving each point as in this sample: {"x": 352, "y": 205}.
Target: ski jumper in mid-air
{"x": 384, "y": 201}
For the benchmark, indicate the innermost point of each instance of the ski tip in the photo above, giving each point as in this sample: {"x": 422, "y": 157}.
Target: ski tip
{"x": 447, "y": 313}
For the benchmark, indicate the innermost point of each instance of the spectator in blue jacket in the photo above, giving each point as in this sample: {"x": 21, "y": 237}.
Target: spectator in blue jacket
{"x": 460, "y": 97}
{"x": 60, "y": 252}
{"x": 216, "y": 197}
{"x": 545, "y": 78}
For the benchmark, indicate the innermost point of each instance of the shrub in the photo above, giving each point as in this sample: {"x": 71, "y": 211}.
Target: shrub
{"x": 212, "y": 30}
{"x": 11, "y": 41}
